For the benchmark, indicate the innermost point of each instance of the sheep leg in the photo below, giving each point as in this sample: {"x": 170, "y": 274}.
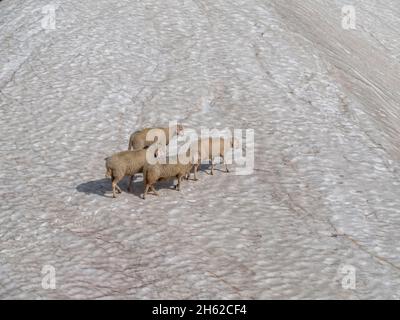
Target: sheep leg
{"x": 196, "y": 167}
{"x": 115, "y": 186}
{"x": 130, "y": 188}
{"x": 178, "y": 186}
{"x": 154, "y": 190}
{"x": 212, "y": 167}
{"x": 226, "y": 165}
{"x": 146, "y": 190}
{"x": 118, "y": 189}
{"x": 187, "y": 175}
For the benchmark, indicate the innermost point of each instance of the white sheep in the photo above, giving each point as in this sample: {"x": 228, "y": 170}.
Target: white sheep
{"x": 210, "y": 148}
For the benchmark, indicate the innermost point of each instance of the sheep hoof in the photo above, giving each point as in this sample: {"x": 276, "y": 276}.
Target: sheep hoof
{"x": 196, "y": 179}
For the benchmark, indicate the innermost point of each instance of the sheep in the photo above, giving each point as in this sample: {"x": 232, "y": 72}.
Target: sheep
{"x": 125, "y": 163}
{"x": 210, "y": 148}
{"x": 138, "y": 140}
{"x": 164, "y": 171}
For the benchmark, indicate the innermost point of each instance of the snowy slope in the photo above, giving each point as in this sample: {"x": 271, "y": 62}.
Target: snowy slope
{"x": 324, "y": 104}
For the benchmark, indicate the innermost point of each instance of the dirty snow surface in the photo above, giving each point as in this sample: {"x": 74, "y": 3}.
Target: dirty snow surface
{"x": 321, "y": 208}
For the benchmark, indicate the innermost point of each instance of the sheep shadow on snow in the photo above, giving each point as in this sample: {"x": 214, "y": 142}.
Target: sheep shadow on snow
{"x": 98, "y": 187}
{"x": 102, "y": 187}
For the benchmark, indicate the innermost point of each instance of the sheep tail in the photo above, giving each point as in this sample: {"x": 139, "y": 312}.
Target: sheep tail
{"x": 130, "y": 145}
{"x": 108, "y": 169}
{"x": 108, "y": 173}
